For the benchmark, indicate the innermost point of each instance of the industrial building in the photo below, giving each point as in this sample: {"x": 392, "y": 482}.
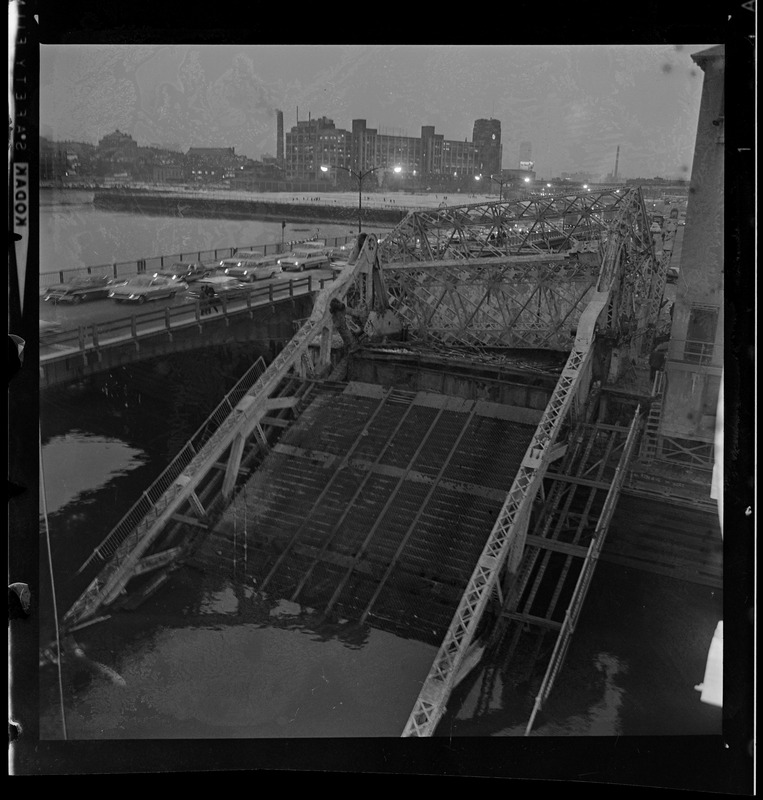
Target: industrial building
{"x": 313, "y": 143}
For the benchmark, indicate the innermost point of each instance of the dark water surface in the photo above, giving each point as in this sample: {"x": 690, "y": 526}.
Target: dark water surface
{"x": 206, "y": 657}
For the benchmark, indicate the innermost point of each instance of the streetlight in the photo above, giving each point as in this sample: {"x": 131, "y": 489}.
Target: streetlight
{"x": 359, "y": 176}
{"x": 500, "y": 181}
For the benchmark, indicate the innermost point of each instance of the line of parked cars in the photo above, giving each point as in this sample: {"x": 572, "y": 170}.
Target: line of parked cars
{"x": 231, "y": 277}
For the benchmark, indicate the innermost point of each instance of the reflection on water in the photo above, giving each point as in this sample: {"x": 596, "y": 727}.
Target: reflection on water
{"x": 204, "y": 657}
{"x": 212, "y": 662}
{"x": 603, "y": 718}
{"x": 637, "y": 645}
{"x": 80, "y": 462}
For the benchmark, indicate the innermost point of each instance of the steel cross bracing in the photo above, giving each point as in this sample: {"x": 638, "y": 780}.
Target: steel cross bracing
{"x": 142, "y": 525}
{"x": 476, "y": 287}
{"x": 506, "y": 540}
{"x": 525, "y": 302}
{"x": 534, "y": 225}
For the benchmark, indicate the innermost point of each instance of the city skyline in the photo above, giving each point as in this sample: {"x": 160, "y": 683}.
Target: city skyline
{"x": 576, "y": 104}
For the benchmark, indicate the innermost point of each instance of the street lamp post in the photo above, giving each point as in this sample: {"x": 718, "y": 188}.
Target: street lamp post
{"x": 500, "y": 182}
{"x": 359, "y": 176}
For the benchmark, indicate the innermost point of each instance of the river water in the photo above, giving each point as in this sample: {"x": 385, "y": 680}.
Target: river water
{"x": 73, "y": 233}
{"x": 206, "y": 658}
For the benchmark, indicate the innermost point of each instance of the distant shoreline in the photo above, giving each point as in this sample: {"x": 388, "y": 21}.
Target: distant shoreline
{"x": 218, "y": 205}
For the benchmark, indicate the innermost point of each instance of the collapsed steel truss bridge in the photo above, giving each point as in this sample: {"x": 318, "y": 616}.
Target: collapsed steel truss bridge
{"x": 561, "y": 273}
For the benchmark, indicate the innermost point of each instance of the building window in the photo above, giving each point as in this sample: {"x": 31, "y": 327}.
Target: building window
{"x": 700, "y": 334}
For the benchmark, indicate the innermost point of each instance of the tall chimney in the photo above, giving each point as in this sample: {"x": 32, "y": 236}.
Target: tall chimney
{"x": 617, "y": 159}
{"x": 279, "y": 137}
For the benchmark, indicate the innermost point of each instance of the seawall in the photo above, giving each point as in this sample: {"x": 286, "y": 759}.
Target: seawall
{"x": 219, "y": 207}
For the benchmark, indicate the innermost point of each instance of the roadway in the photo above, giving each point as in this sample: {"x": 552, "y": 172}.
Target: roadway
{"x": 72, "y": 317}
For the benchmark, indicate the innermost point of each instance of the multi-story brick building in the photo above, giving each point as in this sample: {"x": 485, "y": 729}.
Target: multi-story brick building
{"x": 318, "y": 142}
{"x": 212, "y": 164}
{"x": 313, "y": 142}
{"x": 487, "y": 137}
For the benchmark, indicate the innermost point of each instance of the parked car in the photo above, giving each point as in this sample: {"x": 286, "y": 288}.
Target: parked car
{"x": 301, "y": 259}
{"x": 222, "y": 286}
{"x": 186, "y": 271}
{"x": 144, "y": 287}
{"x": 89, "y": 287}
{"x": 671, "y": 275}
{"x": 342, "y": 252}
{"x": 250, "y": 269}
{"x": 240, "y": 255}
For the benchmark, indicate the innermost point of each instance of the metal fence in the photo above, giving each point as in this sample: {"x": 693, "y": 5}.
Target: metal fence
{"x": 147, "y": 503}
{"x": 127, "y": 269}
{"x": 168, "y": 317}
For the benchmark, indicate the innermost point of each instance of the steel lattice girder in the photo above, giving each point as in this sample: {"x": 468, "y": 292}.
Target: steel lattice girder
{"x": 434, "y": 694}
{"x": 507, "y": 537}
{"x": 537, "y": 224}
{"x": 531, "y": 304}
{"x": 447, "y": 277}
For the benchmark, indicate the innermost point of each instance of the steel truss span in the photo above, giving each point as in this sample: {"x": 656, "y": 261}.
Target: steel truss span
{"x": 467, "y": 277}
{"x": 627, "y": 269}
{"x": 530, "y": 226}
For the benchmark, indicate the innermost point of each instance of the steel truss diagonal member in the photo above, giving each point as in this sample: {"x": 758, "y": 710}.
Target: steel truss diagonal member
{"x": 508, "y": 532}
{"x": 507, "y": 538}
{"x": 149, "y": 522}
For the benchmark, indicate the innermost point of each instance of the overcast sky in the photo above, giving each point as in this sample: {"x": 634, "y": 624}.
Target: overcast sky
{"x": 575, "y": 103}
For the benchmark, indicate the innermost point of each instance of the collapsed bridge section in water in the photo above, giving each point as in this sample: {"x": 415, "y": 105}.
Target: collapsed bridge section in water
{"x": 375, "y": 504}
{"x": 376, "y": 500}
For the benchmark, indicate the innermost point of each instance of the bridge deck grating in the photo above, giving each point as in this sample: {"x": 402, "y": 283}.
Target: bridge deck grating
{"x": 357, "y": 551}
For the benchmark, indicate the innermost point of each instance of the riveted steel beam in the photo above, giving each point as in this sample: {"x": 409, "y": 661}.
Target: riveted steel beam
{"x": 507, "y": 538}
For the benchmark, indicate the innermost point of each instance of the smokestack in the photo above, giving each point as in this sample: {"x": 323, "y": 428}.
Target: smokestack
{"x": 279, "y": 137}
{"x": 617, "y": 159}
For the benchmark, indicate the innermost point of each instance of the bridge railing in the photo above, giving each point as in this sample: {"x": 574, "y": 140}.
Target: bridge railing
{"x": 170, "y": 317}
{"x": 127, "y": 269}
{"x": 148, "y": 500}
{"x": 586, "y": 573}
